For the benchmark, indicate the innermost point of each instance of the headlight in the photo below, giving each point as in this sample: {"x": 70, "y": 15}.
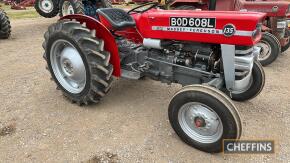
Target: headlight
{"x": 281, "y": 24}
{"x": 288, "y": 23}
{"x": 275, "y": 9}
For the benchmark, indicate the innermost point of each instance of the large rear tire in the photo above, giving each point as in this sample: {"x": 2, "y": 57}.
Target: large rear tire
{"x": 77, "y": 61}
{"x": 68, "y": 7}
{"x": 5, "y": 27}
{"x": 270, "y": 49}
{"x": 47, "y": 8}
{"x": 203, "y": 116}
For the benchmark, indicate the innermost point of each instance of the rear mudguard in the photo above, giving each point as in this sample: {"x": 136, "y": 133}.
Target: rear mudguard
{"x": 103, "y": 33}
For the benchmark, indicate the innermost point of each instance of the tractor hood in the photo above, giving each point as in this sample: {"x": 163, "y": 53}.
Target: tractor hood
{"x": 272, "y": 8}
{"x": 218, "y": 27}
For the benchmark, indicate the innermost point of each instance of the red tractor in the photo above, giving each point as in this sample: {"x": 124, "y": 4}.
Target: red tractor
{"x": 275, "y": 37}
{"x": 212, "y": 54}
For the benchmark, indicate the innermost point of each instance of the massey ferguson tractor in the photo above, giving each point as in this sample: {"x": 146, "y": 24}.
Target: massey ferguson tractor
{"x": 5, "y": 27}
{"x": 213, "y": 54}
{"x": 275, "y": 37}
{"x": 50, "y": 8}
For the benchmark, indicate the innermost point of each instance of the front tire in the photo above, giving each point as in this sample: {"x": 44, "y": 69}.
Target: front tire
{"x": 286, "y": 47}
{"x": 5, "y": 27}
{"x": 270, "y": 49}
{"x": 77, "y": 62}
{"x": 203, "y": 116}
{"x": 47, "y": 8}
{"x": 68, "y": 7}
{"x": 255, "y": 87}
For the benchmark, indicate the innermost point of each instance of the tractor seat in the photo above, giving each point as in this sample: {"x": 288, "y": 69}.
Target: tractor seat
{"x": 118, "y": 18}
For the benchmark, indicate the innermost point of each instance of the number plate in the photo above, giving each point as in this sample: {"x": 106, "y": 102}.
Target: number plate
{"x": 192, "y": 22}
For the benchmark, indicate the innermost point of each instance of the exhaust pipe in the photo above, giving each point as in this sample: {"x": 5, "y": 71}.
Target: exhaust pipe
{"x": 212, "y": 5}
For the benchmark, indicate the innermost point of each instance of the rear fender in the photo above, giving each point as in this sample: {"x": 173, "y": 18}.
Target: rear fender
{"x": 103, "y": 33}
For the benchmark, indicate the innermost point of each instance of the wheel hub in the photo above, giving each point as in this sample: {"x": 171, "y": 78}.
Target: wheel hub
{"x": 46, "y": 6}
{"x": 67, "y": 66}
{"x": 266, "y": 50}
{"x": 200, "y": 122}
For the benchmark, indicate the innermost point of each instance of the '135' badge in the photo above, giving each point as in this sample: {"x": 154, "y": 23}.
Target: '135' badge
{"x": 229, "y": 30}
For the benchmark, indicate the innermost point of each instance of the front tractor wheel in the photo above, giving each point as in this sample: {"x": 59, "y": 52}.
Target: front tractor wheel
{"x": 270, "y": 49}
{"x": 77, "y": 62}
{"x": 203, "y": 116}
{"x": 255, "y": 86}
{"x": 286, "y": 47}
{"x": 68, "y": 7}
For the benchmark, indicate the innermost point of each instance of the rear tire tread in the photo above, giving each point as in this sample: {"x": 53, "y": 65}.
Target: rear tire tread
{"x": 5, "y": 27}
{"x": 101, "y": 78}
{"x": 77, "y": 5}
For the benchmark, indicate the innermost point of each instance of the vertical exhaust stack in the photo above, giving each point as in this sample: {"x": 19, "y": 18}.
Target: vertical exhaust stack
{"x": 212, "y": 5}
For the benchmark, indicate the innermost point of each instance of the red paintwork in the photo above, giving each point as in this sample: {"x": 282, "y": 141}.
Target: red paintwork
{"x": 264, "y": 6}
{"x": 242, "y": 20}
{"x": 246, "y": 21}
{"x": 237, "y": 5}
{"x": 131, "y": 34}
{"x": 103, "y": 33}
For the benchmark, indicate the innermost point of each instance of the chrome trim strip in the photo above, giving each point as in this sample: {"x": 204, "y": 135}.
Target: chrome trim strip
{"x": 200, "y": 30}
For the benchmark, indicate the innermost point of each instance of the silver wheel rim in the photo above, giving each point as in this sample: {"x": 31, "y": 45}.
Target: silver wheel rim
{"x": 68, "y": 66}
{"x": 266, "y": 50}
{"x": 46, "y": 6}
{"x": 200, "y": 122}
{"x": 245, "y": 89}
{"x": 67, "y": 8}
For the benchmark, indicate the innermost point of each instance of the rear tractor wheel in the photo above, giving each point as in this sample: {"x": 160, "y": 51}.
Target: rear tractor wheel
{"x": 203, "y": 116}
{"x": 47, "y": 8}
{"x": 5, "y": 27}
{"x": 68, "y": 7}
{"x": 77, "y": 61}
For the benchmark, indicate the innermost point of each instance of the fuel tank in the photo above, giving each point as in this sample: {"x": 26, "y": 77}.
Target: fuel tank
{"x": 217, "y": 27}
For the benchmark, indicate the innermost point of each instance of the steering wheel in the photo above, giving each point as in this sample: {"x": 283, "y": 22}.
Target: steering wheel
{"x": 153, "y": 5}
